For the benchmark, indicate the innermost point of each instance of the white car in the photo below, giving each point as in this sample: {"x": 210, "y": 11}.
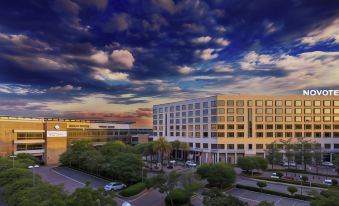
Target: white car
{"x": 274, "y": 176}
{"x": 190, "y": 164}
{"x": 114, "y": 186}
{"x": 329, "y": 164}
{"x": 292, "y": 164}
{"x": 172, "y": 161}
{"x": 327, "y": 182}
{"x": 126, "y": 204}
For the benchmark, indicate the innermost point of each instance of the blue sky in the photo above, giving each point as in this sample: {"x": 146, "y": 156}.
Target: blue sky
{"x": 115, "y": 59}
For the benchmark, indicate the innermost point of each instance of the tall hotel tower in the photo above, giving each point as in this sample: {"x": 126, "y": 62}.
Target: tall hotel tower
{"x": 224, "y": 128}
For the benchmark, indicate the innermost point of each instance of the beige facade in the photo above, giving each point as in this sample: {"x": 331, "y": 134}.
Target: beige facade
{"x": 48, "y": 138}
{"x": 223, "y": 128}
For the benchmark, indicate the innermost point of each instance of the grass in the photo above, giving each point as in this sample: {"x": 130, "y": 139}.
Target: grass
{"x": 133, "y": 189}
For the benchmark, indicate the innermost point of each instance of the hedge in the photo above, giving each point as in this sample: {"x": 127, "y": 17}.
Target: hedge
{"x": 294, "y": 182}
{"x": 179, "y": 197}
{"x": 301, "y": 172}
{"x": 273, "y": 192}
{"x": 133, "y": 189}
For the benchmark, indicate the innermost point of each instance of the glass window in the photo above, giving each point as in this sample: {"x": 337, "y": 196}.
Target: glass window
{"x": 190, "y": 106}
{"x": 213, "y": 103}
{"x": 327, "y": 119}
{"x": 197, "y": 120}
{"x": 205, "y": 119}
{"x": 240, "y": 118}
{"x": 288, "y": 103}
{"x": 197, "y": 105}
{"x": 230, "y": 119}
{"x": 288, "y": 119}
{"x": 308, "y": 119}
{"x": 278, "y": 103}
{"x": 336, "y": 119}
{"x": 336, "y": 103}
{"x": 308, "y": 111}
{"x": 197, "y": 112}
{"x": 259, "y": 119}
{"x": 327, "y": 111}
{"x": 230, "y": 111}
{"x": 308, "y": 103}
{"x": 240, "y": 103}
{"x": 183, "y": 107}
{"x": 221, "y": 111}
{"x": 221, "y": 119}
{"x": 249, "y": 103}
{"x": 221, "y": 103}
{"x": 336, "y": 111}
{"x": 183, "y": 114}
{"x": 278, "y": 118}
{"x": 240, "y": 111}
{"x": 214, "y": 119}
{"x": 230, "y": 103}
{"x": 205, "y": 105}
{"x": 259, "y": 103}
{"x": 317, "y": 119}
{"x": 297, "y": 111}
{"x": 288, "y": 111}
{"x": 317, "y": 103}
{"x": 205, "y": 112}
{"x": 317, "y": 111}
{"x": 190, "y": 113}
{"x": 327, "y": 103}
{"x": 259, "y": 110}
{"x": 279, "y": 111}
{"x": 177, "y": 108}
{"x": 213, "y": 111}
{"x": 240, "y": 146}
{"x": 269, "y": 119}
{"x": 269, "y": 103}
{"x": 269, "y": 111}
{"x": 298, "y": 119}
{"x": 297, "y": 103}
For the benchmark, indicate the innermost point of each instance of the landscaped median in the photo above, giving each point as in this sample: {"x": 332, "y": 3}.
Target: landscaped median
{"x": 273, "y": 192}
{"x": 312, "y": 184}
{"x": 133, "y": 190}
{"x": 301, "y": 172}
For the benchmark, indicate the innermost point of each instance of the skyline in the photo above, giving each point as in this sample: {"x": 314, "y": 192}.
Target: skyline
{"x": 115, "y": 59}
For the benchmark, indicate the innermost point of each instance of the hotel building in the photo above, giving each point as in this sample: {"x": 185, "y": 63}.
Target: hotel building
{"x": 224, "y": 128}
{"x": 47, "y": 138}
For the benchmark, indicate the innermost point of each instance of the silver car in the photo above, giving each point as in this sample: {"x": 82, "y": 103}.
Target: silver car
{"x": 114, "y": 186}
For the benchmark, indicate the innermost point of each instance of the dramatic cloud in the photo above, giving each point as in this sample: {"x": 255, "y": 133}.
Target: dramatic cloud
{"x": 100, "y": 57}
{"x": 185, "y": 70}
{"x": 206, "y": 54}
{"x": 123, "y": 58}
{"x": 65, "y": 88}
{"x": 203, "y": 39}
{"x": 106, "y": 74}
{"x": 222, "y": 41}
{"x": 329, "y": 33}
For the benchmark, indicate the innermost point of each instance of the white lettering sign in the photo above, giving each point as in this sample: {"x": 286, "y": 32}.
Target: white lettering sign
{"x": 320, "y": 92}
{"x": 56, "y": 133}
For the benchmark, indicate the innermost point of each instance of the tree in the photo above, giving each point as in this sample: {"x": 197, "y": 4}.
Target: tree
{"x": 113, "y": 148}
{"x": 191, "y": 182}
{"x": 265, "y": 203}
{"x": 304, "y": 178}
{"x": 176, "y": 147}
{"x": 292, "y": 189}
{"x": 216, "y": 197}
{"x": 25, "y": 156}
{"x": 261, "y": 185}
{"x": 184, "y": 147}
{"x": 251, "y": 163}
{"x": 166, "y": 183}
{"x": 317, "y": 156}
{"x": 326, "y": 198}
{"x": 218, "y": 175}
{"x": 272, "y": 154}
{"x": 336, "y": 163}
{"x": 87, "y": 196}
{"x": 163, "y": 147}
{"x": 280, "y": 174}
{"x": 334, "y": 182}
{"x": 288, "y": 149}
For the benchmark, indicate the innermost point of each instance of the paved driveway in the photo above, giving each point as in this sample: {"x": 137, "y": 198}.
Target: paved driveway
{"x": 253, "y": 198}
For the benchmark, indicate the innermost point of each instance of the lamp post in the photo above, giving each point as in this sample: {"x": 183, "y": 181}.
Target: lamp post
{"x": 13, "y": 157}
{"x": 33, "y": 170}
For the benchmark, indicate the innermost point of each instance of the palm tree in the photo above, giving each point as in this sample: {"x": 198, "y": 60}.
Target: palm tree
{"x": 150, "y": 151}
{"x": 184, "y": 146}
{"x": 176, "y": 146}
{"x": 163, "y": 147}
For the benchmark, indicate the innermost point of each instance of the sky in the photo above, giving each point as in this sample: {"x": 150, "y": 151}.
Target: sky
{"x": 115, "y": 59}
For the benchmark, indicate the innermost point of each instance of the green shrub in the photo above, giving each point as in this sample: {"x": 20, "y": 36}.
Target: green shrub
{"x": 149, "y": 183}
{"x": 313, "y": 184}
{"x": 179, "y": 197}
{"x": 133, "y": 189}
{"x": 334, "y": 182}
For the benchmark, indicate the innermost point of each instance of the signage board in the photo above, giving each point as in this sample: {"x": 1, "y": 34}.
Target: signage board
{"x": 56, "y": 133}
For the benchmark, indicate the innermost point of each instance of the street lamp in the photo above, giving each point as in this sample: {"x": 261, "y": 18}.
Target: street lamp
{"x": 33, "y": 169}
{"x": 13, "y": 157}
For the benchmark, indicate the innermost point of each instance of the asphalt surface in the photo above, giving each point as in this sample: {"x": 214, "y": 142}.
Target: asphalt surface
{"x": 253, "y": 198}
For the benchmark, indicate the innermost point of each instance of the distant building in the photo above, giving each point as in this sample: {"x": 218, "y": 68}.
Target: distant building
{"x": 47, "y": 138}
{"x": 224, "y": 128}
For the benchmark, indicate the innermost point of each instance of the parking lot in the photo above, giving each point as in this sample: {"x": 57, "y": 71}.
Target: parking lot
{"x": 253, "y": 198}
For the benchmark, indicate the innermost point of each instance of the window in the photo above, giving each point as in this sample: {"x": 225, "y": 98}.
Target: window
{"x": 279, "y": 134}
{"x": 269, "y": 103}
{"x": 197, "y": 145}
{"x": 240, "y": 118}
{"x": 197, "y": 120}
{"x": 327, "y": 111}
{"x": 288, "y": 111}
{"x": 336, "y": 119}
{"x": 205, "y": 112}
{"x": 327, "y": 134}
{"x": 230, "y": 111}
{"x": 213, "y": 111}
{"x": 327, "y": 103}
{"x": 336, "y": 103}
{"x": 230, "y": 146}
{"x": 259, "y": 103}
{"x": 288, "y": 126}
{"x": 297, "y": 103}
{"x": 183, "y": 107}
{"x": 279, "y": 126}
{"x": 298, "y": 126}
{"x": 240, "y": 134}
{"x": 190, "y": 113}
{"x": 269, "y": 111}
{"x": 260, "y": 126}
{"x": 288, "y": 134}
{"x": 249, "y": 103}
{"x": 221, "y": 134}
{"x": 190, "y": 106}
{"x": 205, "y": 145}
{"x": 240, "y": 146}
{"x": 260, "y": 134}
{"x": 297, "y": 111}
{"x": 197, "y": 112}
{"x": 317, "y": 111}
{"x": 279, "y": 118}
{"x": 327, "y": 126}
{"x": 308, "y": 103}
{"x": 240, "y": 111}
{"x": 269, "y": 126}
{"x": 269, "y": 119}
{"x": 213, "y": 103}
{"x": 327, "y": 146}
{"x": 269, "y": 134}
{"x": 336, "y": 111}
{"x": 317, "y": 103}
{"x": 250, "y": 146}
{"x": 327, "y": 119}
{"x": 240, "y": 103}
{"x": 259, "y": 119}
{"x": 259, "y": 146}
{"x": 221, "y": 119}
{"x": 278, "y": 103}
{"x": 205, "y": 105}
{"x": 317, "y": 126}
{"x": 240, "y": 126}
{"x": 197, "y": 105}
{"x": 278, "y": 111}
{"x": 308, "y": 119}
{"x": 298, "y": 119}
{"x": 317, "y": 119}
{"x": 205, "y": 120}
{"x": 308, "y": 134}
{"x": 221, "y": 111}
{"x": 288, "y": 103}
{"x": 308, "y": 111}
{"x": 221, "y": 103}
{"x": 230, "y": 134}
{"x": 230, "y": 103}
{"x": 221, "y": 126}
{"x": 230, "y": 126}
{"x": 259, "y": 111}
{"x": 205, "y": 134}
{"x": 230, "y": 119}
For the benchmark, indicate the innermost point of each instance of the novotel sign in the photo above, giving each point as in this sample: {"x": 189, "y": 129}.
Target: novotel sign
{"x": 320, "y": 92}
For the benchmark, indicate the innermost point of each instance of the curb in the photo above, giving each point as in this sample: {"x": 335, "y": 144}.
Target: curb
{"x": 134, "y": 197}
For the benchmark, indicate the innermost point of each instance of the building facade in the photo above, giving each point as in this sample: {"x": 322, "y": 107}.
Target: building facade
{"x": 224, "y": 128}
{"x": 47, "y": 138}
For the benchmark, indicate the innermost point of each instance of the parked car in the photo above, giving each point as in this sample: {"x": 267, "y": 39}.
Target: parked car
{"x": 172, "y": 162}
{"x": 114, "y": 186}
{"x": 126, "y": 204}
{"x": 328, "y": 164}
{"x": 274, "y": 176}
{"x": 327, "y": 182}
{"x": 292, "y": 164}
{"x": 289, "y": 177}
{"x": 190, "y": 164}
